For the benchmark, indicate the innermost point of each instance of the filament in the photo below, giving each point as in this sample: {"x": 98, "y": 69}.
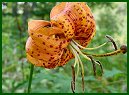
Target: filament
{"x": 107, "y": 54}
{"x": 89, "y": 48}
{"x": 75, "y": 49}
{"x": 76, "y": 60}
{"x": 82, "y": 67}
{"x": 78, "y": 50}
{"x": 111, "y": 40}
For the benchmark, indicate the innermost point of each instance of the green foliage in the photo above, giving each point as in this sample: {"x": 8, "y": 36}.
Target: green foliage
{"x": 111, "y": 19}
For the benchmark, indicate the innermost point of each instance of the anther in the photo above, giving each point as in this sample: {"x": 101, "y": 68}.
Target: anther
{"x": 73, "y": 79}
{"x": 111, "y": 40}
{"x": 123, "y": 49}
{"x": 82, "y": 81}
{"x": 72, "y": 87}
{"x": 93, "y": 63}
{"x": 100, "y": 67}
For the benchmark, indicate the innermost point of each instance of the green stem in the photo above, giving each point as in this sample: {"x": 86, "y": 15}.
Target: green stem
{"x": 30, "y": 78}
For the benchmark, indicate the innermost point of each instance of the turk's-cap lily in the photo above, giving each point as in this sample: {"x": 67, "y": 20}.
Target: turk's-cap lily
{"x": 70, "y": 29}
{"x": 48, "y": 43}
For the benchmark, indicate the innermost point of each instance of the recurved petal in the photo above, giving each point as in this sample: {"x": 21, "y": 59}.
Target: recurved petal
{"x": 38, "y": 57}
{"x": 53, "y": 43}
{"x": 81, "y": 19}
{"x": 43, "y": 27}
{"x": 35, "y": 24}
{"x": 42, "y": 63}
{"x": 57, "y": 9}
{"x": 37, "y": 52}
{"x": 84, "y": 22}
{"x": 65, "y": 23}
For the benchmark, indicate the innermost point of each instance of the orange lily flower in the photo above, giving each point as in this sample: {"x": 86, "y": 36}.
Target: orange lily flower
{"x": 48, "y": 41}
{"x": 53, "y": 43}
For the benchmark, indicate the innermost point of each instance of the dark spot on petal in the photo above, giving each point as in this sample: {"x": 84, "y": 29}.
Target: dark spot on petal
{"x": 64, "y": 41}
{"x": 51, "y": 46}
{"x": 52, "y": 57}
{"x": 48, "y": 37}
{"x": 39, "y": 35}
{"x": 88, "y": 21}
{"x": 65, "y": 31}
{"x": 85, "y": 25}
{"x": 91, "y": 16}
{"x": 56, "y": 39}
{"x": 88, "y": 14}
{"x": 44, "y": 64}
{"x": 56, "y": 47}
{"x": 44, "y": 43}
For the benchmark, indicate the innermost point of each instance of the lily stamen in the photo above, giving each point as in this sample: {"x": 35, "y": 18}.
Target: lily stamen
{"x": 89, "y": 48}
{"x": 123, "y": 49}
{"x": 100, "y": 66}
{"x": 73, "y": 79}
{"x": 74, "y": 47}
{"x": 94, "y": 65}
{"x": 76, "y": 59}
{"x": 111, "y": 40}
{"x": 80, "y": 62}
{"x": 78, "y": 50}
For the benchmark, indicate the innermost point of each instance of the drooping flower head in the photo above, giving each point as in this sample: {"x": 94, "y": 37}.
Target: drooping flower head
{"x": 53, "y": 43}
{"x": 48, "y": 43}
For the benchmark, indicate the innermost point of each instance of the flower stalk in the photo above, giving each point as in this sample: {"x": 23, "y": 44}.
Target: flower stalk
{"x": 30, "y": 78}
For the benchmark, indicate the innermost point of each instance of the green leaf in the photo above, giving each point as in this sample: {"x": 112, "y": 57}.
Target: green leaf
{"x": 111, "y": 73}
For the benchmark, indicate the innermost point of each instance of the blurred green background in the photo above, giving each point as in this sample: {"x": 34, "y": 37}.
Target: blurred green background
{"x": 111, "y": 19}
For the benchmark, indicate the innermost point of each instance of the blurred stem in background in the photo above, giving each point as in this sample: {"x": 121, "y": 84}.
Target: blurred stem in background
{"x": 30, "y": 78}
{"x": 15, "y": 14}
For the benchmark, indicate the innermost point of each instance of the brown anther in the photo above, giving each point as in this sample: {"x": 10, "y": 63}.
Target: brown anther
{"x": 73, "y": 79}
{"x": 72, "y": 87}
{"x": 73, "y": 75}
{"x": 111, "y": 40}
{"x": 100, "y": 67}
{"x": 93, "y": 63}
{"x": 82, "y": 82}
{"x": 124, "y": 49}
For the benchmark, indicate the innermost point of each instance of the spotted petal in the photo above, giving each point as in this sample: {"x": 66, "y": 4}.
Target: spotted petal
{"x": 76, "y": 20}
{"x": 42, "y": 47}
